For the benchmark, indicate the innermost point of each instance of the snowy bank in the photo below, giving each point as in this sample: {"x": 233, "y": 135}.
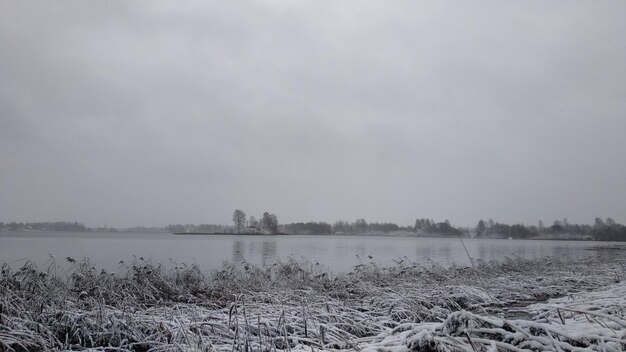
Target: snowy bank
{"x": 297, "y": 305}
{"x": 594, "y": 321}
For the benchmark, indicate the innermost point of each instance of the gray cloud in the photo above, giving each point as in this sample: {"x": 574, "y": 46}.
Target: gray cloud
{"x": 155, "y": 113}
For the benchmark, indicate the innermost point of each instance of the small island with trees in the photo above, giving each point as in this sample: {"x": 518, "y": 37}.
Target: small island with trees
{"x": 266, "y": 225}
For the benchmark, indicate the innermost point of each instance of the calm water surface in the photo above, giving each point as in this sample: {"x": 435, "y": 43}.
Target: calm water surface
{"x": 338, "y": 253}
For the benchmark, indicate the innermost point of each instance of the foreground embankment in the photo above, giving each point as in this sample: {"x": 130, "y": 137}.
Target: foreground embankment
{"x": 297, "y": 305}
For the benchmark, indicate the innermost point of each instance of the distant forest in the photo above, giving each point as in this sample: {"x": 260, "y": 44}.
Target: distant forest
{"x": 70, "y": 226}
{"x": 601, "y": 230}
{"x": 43, "y": 226}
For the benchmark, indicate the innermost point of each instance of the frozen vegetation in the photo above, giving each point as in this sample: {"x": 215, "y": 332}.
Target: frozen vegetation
{"x": 549, "y": 304}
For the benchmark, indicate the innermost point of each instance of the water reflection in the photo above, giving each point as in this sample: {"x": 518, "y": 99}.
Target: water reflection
{"x": 269, "y": 252}
{"x": 445, "y": 251}
{"x": 360, "y": 250}
{"x": 482, "y": 253}
{"x": 422, "y": 253}
{"x": 339, "y": 253}
{"x": 237, "y": 256}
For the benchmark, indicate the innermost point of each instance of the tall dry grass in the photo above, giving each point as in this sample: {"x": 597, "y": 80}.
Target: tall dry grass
{"x": 293, "y": 303}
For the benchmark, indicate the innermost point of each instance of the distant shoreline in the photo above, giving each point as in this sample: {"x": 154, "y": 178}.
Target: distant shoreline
{"x": 398, "y": 234}
{"x": 230, "y": 233}
{"x": 370, "y": 234}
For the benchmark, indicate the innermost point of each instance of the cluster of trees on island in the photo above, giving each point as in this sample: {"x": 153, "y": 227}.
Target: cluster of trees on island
{"x": 266, "y": 224}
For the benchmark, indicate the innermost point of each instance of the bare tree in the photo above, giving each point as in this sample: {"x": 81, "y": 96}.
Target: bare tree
{"x": 270, "y": 222}
{"x": 239, "y": 219}
{"x": 360, "y": 225}
{"x": 480, "y": 228}
{"x": 253, "y": 222}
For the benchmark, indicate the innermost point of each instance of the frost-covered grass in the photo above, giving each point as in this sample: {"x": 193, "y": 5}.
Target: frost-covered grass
{"x": 298, "y": 305}
{"x": 593, "y": 321}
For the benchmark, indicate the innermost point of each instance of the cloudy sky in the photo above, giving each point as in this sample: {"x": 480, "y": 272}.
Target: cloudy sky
{"x": 149, "y": 113}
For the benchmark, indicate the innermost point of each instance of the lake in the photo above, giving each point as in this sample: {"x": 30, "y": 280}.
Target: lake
{"x": 337, "y": 253}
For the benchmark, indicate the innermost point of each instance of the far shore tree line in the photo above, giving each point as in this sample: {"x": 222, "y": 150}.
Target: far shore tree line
{"x": 72, "y": 226}
{"x": 601, "y": 230}
{"x": 44, "y": 226}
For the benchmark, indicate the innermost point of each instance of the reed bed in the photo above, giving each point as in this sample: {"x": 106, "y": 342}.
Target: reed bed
{"x": 298, "y": 305}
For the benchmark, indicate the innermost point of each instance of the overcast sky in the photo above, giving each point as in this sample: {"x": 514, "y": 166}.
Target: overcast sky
{"x": 149, "y": 113}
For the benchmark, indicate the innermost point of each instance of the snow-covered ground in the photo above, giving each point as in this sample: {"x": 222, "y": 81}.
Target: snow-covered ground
{"x": 568, "y": 305}
{"x": 590, "y": 321}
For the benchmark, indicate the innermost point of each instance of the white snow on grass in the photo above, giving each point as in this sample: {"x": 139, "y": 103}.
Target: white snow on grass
{"x": 297, "y": 306}
{"x": 589, "y": 321}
